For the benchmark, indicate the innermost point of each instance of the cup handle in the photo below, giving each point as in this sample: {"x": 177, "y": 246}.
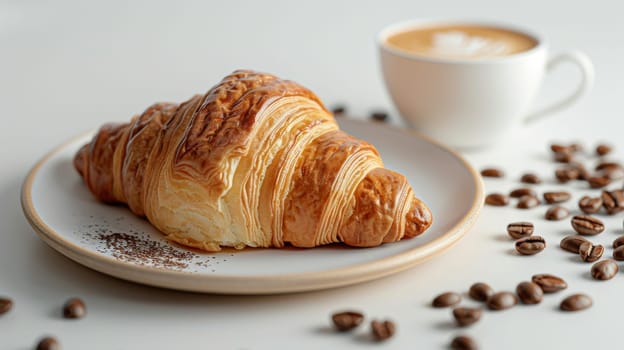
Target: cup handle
{"x": 587, "y": 80}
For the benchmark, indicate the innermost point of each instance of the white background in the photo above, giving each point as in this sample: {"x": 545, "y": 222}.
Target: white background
{"x": 67, "y": 67}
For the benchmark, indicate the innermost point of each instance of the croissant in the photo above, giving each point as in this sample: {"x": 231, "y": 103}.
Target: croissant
{"x": 256, "y": 161}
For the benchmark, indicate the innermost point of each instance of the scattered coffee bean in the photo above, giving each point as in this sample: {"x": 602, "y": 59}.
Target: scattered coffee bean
{"x": 587, "y": 225}
{"x": 463, "y": 342}
{"x": 347, "y": 320}
{"x": 618, "y": 242}
{"x": 521, "y": 192}
{"x": 382, "y": 330}
{"x": 74, "y": 308}
{"x": 6, "y": 305}
{"x": 608, "y": 166}
{"x": 613, "y": 201}
{"x": 496, "y": 199}
{"x": 618, "y": 253}
{"x": 446, "y": 299}
{"x": 604, "y": 270}
{"x": 465, "y": 316}
{"x": 502, "y": 301}
{"x": 339, "y": 110}
{"x": 492, "y": 172}
{"x": 48, "y": 343}
{"x": 379, "y": 116}
{"x": 556, "y": 197}
{"x": 598, "y": 181}
{"x": 564, "y": 157}
{"x": 530, "y": 178}
{"x": 589, "y": 205}
{"x": 529, "y": 293}
{"x": 590, "y": 252}
{"x": 559, "y": 148}
{"x": 549, "y": 283}
{"x": 572, "y": 243}
{"x": 576, "y": 302}
{"x": 564, "y": 175}
{"x": 530, "y": 245}
{"x": 603, "y": 150}
{"x": 522, "y": 229}
{"x": 556, "y": 213}
{"x": 527, "y": 202}
{"x": 480, "y": 291}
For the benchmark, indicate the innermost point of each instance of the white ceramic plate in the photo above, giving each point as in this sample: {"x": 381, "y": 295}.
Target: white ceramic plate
{"x": 110, "y": 239}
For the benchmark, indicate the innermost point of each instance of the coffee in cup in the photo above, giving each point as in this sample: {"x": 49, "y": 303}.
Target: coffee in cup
{"x": 463, "y": 42}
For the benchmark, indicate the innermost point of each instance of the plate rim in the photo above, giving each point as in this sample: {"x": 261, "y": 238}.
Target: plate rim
{"x": 256, "y": 284}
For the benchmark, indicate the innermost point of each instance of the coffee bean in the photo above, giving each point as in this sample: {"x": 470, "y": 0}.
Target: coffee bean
{"x": 521, "y": 192}
{"x": 529, "y": 293}
{"x": 530, "y": 245}
{"x": 48, "y": 343}
{"x": 492, "y": 172}
{"x": 590, "y": 205}
{"x": 556, "y": 197}
{"x": 564, "y": 175}
{"x": 608, "y": 166}
{"x": 590, "y": 252}
{"x": 559, "y": 148}
{"x": 496, "y": 199}
{"x": 604, "y": 270}
{"x": 382, "y": 330}
{"x": 576, "y": 302}
{"x": 446, "y": 299}
{"x": 502, "y": 301}
{"x": 598, "y": 181}
{"x": 549, "y": 283}
{"x": 379, "y": 116}
{"x": 587, "y": 225}
{"x": 602, "y": 150}
{"x": 530, "y": 178}
{"x": 527, "y": 202}
{"x": 480, "y": 291}
{"x": 6, "y": 305}
{"x": 613, "y": 201}
{"x": 339, "y": 110}
{"x": 618, "y": 253}
{"x": 572, "y": 243}
{"x": 347, "y": 320}
{"x": 556, "y": 213}
{"x": 563, "y": 157}
{"x": 618, "y": 242}
{"x": 463, "y": 342}
{"x": 74, "y": 308}
{"x": 522, "y": 229}
{"x": 465, "y": 316}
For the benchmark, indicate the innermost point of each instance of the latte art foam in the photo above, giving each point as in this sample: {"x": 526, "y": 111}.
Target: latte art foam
{"x": 460, "y": 44}
{"x": 461, "y": 41}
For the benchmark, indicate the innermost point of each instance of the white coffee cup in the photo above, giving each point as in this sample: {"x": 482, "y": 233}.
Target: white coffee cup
{"x": 471, "y": 103}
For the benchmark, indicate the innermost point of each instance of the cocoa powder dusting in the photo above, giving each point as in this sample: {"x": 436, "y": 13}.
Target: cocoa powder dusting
{"x": 133, "y": 249}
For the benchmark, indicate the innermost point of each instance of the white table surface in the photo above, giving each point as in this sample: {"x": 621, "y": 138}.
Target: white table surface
{"x": 66, "y": 67}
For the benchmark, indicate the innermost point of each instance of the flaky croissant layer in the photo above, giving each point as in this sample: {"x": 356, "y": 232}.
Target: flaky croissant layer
{"x": 256, "y": 161}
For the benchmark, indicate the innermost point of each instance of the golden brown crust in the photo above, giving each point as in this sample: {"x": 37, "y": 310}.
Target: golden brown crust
{"x": 256, "y": 161}
{"x": 221, "y": 127}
